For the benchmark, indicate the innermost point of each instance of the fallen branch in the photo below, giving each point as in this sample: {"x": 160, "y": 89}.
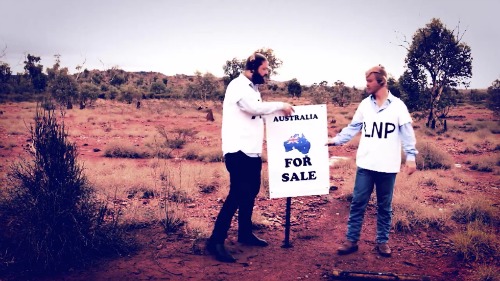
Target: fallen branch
{"x": 365, "y": 275}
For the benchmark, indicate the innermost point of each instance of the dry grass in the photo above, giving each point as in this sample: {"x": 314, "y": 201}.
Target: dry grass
{"x": 477, "y": 243}
{"x": 484, "y": 163}
{"x": 412, "y": 209}
{"x": 343, "y": 176}
{"x": 140, "y": 189}
{"x": 125, "y": 150}
{"x": 431, "y": 157}
{"x": 486, "y": 273}
{"x": 476, "y": 209}
{"x": 198, "y": 227}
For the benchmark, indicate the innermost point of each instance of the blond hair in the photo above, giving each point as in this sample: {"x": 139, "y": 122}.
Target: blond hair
{"x": 379, "y": 72}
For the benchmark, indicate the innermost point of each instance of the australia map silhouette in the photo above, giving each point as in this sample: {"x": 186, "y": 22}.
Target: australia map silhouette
{"x": 299, "y": 142}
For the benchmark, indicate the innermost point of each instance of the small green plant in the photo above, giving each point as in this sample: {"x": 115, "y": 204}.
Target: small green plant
{"x": 173, "y": 140}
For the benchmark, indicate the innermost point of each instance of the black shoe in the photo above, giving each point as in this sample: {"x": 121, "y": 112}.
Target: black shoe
{"x": 253, "y": 240}
{"x": 219, "y": 251}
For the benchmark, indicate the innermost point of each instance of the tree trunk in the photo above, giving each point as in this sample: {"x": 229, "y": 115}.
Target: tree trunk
{"x": 430, "y": 118}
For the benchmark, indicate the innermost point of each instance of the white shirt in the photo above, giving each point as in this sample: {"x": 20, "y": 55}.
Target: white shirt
{"x": 242, "y": 124}
{"x": 380, "y": 145}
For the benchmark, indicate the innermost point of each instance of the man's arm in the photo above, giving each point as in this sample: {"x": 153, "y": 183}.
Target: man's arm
{"x": 346, "y": 134}
{"x": 409, "y": 141}
{"x": 254, "y": 107}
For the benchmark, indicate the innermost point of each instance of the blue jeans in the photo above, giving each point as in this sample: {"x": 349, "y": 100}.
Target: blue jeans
{"x": 363, "y": 188}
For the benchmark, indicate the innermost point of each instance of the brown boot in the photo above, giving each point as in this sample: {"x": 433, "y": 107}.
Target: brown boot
{"x": 347, "y": 248}
{"x": 383, "y": 249}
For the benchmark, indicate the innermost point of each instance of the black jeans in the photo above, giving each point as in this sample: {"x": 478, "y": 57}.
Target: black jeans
{"x": 244, "y": 176}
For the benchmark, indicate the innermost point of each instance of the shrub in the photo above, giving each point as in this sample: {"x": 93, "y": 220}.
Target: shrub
{"x": 191, "y": 154}
{"x": 430, "y": 157}
{"x": 476, "y": 210}
{"x": 125, "y": 151}
{"x": 409, "y": 218}
{"x": 212, "y": 156}
{"x": 476, "y": 243}
{"x": 486, "y": 273}
{"x": 55, "y": 221}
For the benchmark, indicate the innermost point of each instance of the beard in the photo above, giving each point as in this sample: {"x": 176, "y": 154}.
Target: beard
{"x": 257, "y": 78}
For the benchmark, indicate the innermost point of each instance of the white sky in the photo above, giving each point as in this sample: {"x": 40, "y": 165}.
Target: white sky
{"x": 316, "y": 39}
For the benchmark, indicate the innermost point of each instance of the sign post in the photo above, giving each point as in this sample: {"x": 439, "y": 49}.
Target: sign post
{"x": 286, "y": 242}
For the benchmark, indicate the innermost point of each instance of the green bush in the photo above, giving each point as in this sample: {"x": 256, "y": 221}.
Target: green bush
{"x": 54, "y": 220}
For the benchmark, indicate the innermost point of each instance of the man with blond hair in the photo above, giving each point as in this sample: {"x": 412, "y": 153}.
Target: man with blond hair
{"x": 385, "y": 124}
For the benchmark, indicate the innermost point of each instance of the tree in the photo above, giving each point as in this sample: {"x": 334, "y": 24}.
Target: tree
{"x": 494, "y": 96}
{"x": 204, "y": 87}
{"x": 274, "y": 62}
{"x": 88, "y": 94}
{"x": 449, "y": 99}
{"x": 321, "y": 93}
{"x": 62, "y": 86}
{"x": 232, "y": 69}
{"x": 393, "y": 86}
{"x": 130, "y": 93}
{"x": 158, "y": 88}
{"x": 414, "y": 91}
{"x": 437, "y": 54}
{"x": 5, "y": 72}
{"x": 341, "y": 95}
{"x": 294, "y": 88}
{"x": 34, "y": 70}
{"x": 117, "y": 76}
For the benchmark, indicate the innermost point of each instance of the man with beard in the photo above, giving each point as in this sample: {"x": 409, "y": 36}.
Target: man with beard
{"x": 385, "y": 124}
{"x": 242, "y": 139}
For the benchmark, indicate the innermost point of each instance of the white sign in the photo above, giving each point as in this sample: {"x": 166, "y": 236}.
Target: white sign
{"x": 297, "y": 156}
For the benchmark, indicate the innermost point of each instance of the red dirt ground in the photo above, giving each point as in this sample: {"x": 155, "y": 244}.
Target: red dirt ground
{"x": 318, "y": 227}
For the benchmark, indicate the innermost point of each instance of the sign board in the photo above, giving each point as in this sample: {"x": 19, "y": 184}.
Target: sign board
{"x": 296, "y": 153}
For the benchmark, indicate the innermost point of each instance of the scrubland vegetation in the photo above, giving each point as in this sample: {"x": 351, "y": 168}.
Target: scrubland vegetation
{"x": 140, "y": 151}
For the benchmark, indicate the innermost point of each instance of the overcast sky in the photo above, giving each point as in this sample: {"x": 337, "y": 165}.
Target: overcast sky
{"x": 316, "y": 39}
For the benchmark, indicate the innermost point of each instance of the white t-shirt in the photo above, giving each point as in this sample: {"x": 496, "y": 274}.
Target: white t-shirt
{"x": 380, "y": 145}
{"x": 242, "y": 124}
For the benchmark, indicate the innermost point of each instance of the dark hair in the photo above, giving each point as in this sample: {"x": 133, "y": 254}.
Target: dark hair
{"x": 254, "y": 61}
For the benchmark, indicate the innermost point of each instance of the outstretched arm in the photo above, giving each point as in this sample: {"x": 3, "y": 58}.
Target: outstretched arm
{"x": 346, "y": 134}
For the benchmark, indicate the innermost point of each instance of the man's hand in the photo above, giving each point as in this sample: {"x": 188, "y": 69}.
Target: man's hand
{"x": 287, "y": 109}
{"x": 410, "y": 167}
{"x": 330, "y": 142}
